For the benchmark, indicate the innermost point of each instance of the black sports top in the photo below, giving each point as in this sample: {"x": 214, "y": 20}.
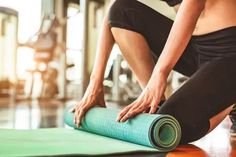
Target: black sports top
{"x": 172, "y": 2}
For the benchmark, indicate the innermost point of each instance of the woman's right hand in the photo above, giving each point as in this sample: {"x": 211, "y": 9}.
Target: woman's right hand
{"x": 93, "y": 96}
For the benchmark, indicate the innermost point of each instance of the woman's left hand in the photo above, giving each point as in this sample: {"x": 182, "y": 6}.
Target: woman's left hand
{"x": 148, "y": 100}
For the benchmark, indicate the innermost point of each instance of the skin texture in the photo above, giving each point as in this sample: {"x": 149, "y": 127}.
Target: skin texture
{"x": 193, "y": 17}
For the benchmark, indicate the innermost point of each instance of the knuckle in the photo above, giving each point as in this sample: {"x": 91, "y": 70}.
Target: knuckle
{"x": 80, "y": 117}
{"x": 120, "y": 113}
{"x": 146, "y": 98}
{"x": 129, "y": 106}
{"x": 76, "y": 111}
{"x": 155, "y": 105}
{"x": 142, "y": 107}
{"x": 156, "y": 102}
{"x": 84, "y": 108}
{"x": 136, "y": 112}
{"x": 77, "y": 107}
{"x": 123, "y": 111}
{"x": 127, "y": 115}
{"x": 132, "y": 113}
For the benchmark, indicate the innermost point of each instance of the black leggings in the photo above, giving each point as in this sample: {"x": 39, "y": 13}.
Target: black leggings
{"x": 209, "y": 60}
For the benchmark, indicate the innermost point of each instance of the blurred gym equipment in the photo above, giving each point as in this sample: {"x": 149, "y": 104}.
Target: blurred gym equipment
{"x": 8, "y": 45}
{"x": 44, "y": 43}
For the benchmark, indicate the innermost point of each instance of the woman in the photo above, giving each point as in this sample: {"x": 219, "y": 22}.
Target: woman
{"x": 200, "y": 43}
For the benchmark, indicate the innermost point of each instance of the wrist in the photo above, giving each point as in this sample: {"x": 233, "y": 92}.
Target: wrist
{"x": 161, "y": 72}
{"x": 96, "y": 82}
{"x": 96, "y": 79}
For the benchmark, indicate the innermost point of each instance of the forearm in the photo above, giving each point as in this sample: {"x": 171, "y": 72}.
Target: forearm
{"x": 179, "y": 36}
{"x": 105, "y": 44}
{"x": 104, "y": 47}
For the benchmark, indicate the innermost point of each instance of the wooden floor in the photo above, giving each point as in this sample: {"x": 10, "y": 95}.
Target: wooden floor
{"x": 44, "y": 114}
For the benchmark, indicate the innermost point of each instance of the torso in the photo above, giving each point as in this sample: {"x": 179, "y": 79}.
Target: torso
{"x": 217, "y": 14}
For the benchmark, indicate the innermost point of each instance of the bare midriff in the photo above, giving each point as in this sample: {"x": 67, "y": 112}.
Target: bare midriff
{"x": 217, "y": 15}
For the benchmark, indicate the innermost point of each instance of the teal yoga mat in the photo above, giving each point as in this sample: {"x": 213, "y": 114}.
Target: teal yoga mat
{"x": 100, "y": 136}
{"x": 161, "y": 132}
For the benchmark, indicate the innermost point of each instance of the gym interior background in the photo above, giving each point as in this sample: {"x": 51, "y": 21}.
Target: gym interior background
{"x": 47, "y": 50}
{"x": 47, "y": 54}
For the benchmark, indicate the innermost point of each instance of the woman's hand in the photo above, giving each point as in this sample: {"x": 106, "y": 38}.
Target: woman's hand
{"x": 94, "y": 95}
{"x": 149, "y": 99}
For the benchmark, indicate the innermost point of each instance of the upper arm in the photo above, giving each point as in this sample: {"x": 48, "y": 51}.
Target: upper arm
{"x": 194, "y": 5}
{"x": 189, "y": 12}
{"x": 180, "y": 33}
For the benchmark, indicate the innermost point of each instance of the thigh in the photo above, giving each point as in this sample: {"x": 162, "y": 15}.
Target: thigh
{"x": 209, "y": 91}
{"x": 155, "y": 27}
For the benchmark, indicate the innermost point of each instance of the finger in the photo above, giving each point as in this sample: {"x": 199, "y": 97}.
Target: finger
{"x": 130, "y": 114}
{"x": 77, "y": 110}
{"x": 78, "y": 121}
{"x": 154, "y": 107}
{"x": 136, "y": 109}
{"x": 123, "y": 112}
{"x": 76, "y": 113}
{"x": 81, "y": 114}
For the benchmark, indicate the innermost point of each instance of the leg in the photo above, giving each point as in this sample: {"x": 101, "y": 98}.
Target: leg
{"x": 217, "y": 119}
{"x": 137, "y": 53}
{"x": 204, "y": 100}
{"x": 141, "y": 33}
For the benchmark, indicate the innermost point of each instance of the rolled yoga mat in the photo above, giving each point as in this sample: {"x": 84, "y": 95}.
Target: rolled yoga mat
{"x": 161, "y": 132}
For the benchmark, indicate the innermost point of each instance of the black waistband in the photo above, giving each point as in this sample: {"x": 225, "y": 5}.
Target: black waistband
{"x": 218, "y": 43}
{"x": 222, "y": 32}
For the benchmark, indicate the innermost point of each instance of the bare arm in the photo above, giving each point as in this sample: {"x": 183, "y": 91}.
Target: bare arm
{"x": 94, "y": 93}
{"x": 177, "y": 41}
{"x": 105, "y": 44}
{"x": 180, "y": 34}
